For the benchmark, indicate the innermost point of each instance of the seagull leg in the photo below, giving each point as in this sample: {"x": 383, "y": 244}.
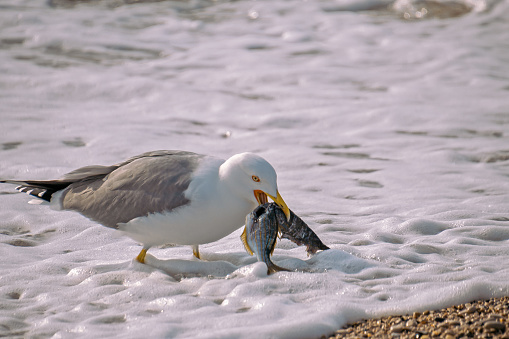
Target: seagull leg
{"x": 196, "y": 251}
{"x": 141, "y": 256}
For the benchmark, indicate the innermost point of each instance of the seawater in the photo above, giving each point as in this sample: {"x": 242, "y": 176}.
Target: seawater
{"x": 387, "y": 123}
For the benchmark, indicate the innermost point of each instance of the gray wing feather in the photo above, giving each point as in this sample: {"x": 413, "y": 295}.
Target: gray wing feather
{"x": 87, "y": 172}
{"x": 152, "y": 182}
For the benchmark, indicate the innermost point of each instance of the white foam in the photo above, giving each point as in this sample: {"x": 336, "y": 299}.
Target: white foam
{"x": 389, "y": 137}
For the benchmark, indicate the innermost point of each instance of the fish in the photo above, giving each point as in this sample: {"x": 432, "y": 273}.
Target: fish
{"x": 297, "y": 231}
{"x": 263, "y": 226}
{"x": 260, "y": 235}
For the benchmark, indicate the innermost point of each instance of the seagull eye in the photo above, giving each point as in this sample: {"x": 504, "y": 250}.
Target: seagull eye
{"x": 255, "y": 178}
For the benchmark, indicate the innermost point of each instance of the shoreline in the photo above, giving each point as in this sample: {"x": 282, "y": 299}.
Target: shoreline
{"x": 476, "y": 319}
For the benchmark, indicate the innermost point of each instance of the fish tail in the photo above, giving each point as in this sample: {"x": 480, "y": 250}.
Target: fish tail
{"x": 273, "y": 268}
{"x": 314, "y": 247}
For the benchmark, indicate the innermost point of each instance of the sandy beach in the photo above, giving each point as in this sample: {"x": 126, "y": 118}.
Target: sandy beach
{"x": 477, "y": 319}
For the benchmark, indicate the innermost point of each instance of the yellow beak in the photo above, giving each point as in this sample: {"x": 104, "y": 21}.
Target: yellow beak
{"x": 279, "y": 200}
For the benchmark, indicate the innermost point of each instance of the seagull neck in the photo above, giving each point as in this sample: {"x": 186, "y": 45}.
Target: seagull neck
{"x": 229, "y": 179}
{"x": 225, "y": 184}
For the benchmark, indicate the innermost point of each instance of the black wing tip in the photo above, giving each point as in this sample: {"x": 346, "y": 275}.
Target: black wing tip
{"x": 35, "y": 191}
{"x": 34, "y": 188}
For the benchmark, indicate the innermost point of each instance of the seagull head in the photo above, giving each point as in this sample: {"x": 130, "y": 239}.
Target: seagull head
{"x": 255, "y": 179}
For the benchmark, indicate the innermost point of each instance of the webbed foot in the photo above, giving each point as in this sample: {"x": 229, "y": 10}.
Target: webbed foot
{"x": 196, "y": 251}
{"x": 141, "y": 257}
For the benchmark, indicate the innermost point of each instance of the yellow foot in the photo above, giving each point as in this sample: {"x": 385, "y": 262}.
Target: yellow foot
{"x": 141, "y": 256}
{"x": 196, "y": 251}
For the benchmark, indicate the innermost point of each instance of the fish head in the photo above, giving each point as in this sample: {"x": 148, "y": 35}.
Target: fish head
{"x": 261, "y": 229}
{"x": 263, "y": 218}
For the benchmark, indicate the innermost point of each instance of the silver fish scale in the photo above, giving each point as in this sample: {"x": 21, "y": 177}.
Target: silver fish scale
{"x": 261, "y": 234}
{"x": 264, "y": 231}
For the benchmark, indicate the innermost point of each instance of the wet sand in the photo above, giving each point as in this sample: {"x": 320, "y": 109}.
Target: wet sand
{"x": 478, "y": 319}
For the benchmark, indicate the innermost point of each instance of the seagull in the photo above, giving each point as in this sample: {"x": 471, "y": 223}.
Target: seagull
{"x": 163, "y": 197}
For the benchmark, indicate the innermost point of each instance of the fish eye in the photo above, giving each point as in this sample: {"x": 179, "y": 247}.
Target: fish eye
{"x": 255, "y": 178}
